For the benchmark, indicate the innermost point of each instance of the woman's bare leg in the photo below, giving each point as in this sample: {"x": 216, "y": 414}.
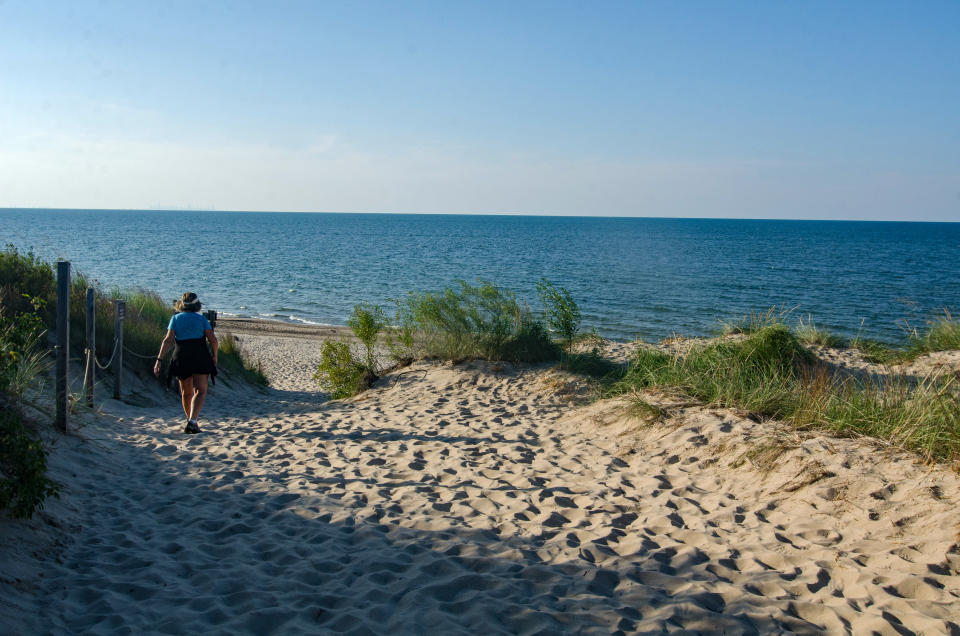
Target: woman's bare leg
{"x": 186, "y": 394}
{"x": 199, "y": 395}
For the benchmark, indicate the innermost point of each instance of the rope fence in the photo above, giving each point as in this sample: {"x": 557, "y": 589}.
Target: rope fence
{"x": 138, "y": 355}
{"x": 104, "y": 367}
{"x": 90, "y": 360}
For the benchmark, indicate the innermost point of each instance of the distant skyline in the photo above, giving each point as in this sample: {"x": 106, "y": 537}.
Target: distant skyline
{"x": 811, "y": 110}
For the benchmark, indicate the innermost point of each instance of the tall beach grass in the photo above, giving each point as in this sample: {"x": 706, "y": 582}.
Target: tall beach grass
{"x": 771, "y": 373}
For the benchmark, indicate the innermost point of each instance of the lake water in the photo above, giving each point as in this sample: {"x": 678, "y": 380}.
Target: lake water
{"x": 641, "y": 277}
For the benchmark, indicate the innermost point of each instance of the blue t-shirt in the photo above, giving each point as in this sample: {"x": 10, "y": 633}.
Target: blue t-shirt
{"x": 188, "y": 325}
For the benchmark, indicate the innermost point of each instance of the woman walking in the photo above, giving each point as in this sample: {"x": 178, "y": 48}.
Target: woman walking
{"x": 188, "y": 333}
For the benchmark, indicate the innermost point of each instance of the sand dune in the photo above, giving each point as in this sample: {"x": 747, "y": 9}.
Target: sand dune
{"x": 477, "y": 498}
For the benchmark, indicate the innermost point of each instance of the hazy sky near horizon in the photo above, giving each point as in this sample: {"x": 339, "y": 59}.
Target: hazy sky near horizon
{"x": 806, "y": 110}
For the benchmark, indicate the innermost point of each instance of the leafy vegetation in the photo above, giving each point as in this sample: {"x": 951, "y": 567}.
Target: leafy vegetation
{"x": 366, "y": 322}
{"x": 24, "y": 484}
{"x": 340, "y": 371}
{"x": 22, "y": 355}
{"x": 24, "y": 281}
{"x": 467, "y": 321}
{"x": 561, "y": 311}
{"x": 23, "y": 358}
{"x": 459, "y": 323}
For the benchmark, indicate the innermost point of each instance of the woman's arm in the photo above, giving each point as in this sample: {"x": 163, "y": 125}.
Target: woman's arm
{"x": 164, "y": 347}
{"x": 214, "y": 345}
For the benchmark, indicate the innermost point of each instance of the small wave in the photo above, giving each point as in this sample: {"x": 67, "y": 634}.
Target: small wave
{"x": 309, "y": 322}
{"x": 292, "y": 318}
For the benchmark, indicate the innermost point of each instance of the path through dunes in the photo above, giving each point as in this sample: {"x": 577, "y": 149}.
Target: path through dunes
{"x": 476, "y": 499}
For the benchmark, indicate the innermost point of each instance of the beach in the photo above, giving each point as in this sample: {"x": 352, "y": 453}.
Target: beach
{"x": 476, "y": 497}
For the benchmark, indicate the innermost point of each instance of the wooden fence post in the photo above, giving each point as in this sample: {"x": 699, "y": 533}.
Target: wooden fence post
{"x": 63, "y": 345}
{"x": 119, "y": 312}
{"x": 91, "y": 370}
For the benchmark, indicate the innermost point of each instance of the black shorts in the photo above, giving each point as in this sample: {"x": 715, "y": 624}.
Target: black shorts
{"x": 191, "y": 357}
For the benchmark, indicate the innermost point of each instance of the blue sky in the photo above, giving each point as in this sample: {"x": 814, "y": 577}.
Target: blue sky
{"x": 763, "y": 109}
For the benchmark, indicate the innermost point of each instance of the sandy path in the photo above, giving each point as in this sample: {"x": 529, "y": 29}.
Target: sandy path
{"x": 478, "y": 499}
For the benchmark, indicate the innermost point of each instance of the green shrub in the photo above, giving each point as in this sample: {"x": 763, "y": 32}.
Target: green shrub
{"x": 23, "y": 482}
{"x": 23, "y": 466}
{"x": 23, "y": 355}
{"x": 339, "y": 372}
{"x": 481, "y": 321}
{"x": 367, "y": 321}
{"x": 24, "y": 278}
{"x": 560, "y": 311}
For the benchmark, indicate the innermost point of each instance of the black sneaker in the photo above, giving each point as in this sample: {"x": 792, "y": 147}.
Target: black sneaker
{"x": 192, "y": 427}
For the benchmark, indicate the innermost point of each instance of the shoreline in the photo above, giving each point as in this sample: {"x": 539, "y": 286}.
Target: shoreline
{"x": 266, "y": 326}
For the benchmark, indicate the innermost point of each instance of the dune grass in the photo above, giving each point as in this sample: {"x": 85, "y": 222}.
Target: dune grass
{"x": 233, "y": 358}
{"x": 877, "y": 352}
{"x": 942, "y": 334}
{"x": 755, "y": 321}
{"x": 770, "y": 373}
{"x": 810, "y": 334}
{"x": 755, "y": 373}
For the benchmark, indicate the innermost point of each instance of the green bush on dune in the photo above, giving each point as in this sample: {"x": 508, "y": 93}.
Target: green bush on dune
{"x": 25, "y": 285}
{"x": 482, "y": 321}
{"x": 560, "y": 311}
{"x": 341, "y": 372}
{"x": 24, "y": 281}
{"x": 366, "y": 322}
{"x": 23, "y": 468}
{"x": 459, "y": 323}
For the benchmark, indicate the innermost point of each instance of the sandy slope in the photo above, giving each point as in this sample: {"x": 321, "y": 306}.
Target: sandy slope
{"x": 476, "y": 498}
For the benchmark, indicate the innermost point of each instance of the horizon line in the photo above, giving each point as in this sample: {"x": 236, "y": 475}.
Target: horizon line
{"x": 505, "y": 214}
